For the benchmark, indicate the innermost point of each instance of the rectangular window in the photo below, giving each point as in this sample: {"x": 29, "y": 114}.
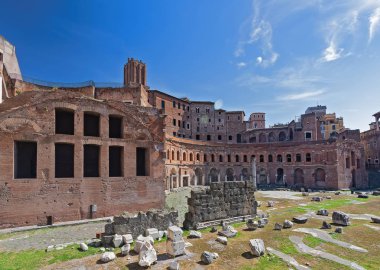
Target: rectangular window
{"x": 173, "y": 104}
{"x": 91, "y": 124}
{"x": 209, "y": 137}
{"x": 188, "y": 126}
{"x": 115, "y": 126}
{"x": 179, "y": 123}
{"x": 347, "y": 163}
{"x": 207, "y": 110}
{"x": 245, "y": 159}
{"x": 141, "y": 162}
{"x": 197, "y": 137}
{"x": 64, "y": 160}
{"x": 25, "y": 160}
{"x": 64, "y": 122}
{"x": 358, "y": 163}
{"x": 307, "y": 136}
{"x": 197, "y": 110}
{"x": 91, "y": 160}
{"x": 174, "y": 122}
{"x": 229, "y": 158}
{"x": 163, "y": 104}
{"x": 179, "y": 105}
{"x": 115, "y": 161}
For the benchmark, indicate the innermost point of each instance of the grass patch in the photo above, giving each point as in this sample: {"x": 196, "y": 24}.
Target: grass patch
{"x": 35, "y": 259}
{"x": 267, "y": 262}
{"x": 312, "y": 241}
{"x": 327, "y": 204}
{"x": 287, "y": 246}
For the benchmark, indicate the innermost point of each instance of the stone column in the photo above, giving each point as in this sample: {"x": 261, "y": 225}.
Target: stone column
{"x": 196, "y": 180}
{"x": 218, "y": 177}
{"x": 377, "y": 123}
{"x": 268, "y": 180}
{"x": 203, "y": 180}
{"x": 181, "y": 180}
{"x": 254, "y": 179}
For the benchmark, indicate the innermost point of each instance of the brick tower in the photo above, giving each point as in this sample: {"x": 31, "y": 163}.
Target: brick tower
{"x": 134, "y": 72}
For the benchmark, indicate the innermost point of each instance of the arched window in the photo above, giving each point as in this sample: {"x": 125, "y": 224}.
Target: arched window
{"x": 261, "y": 158}
{"x": 229, "y": 158}
{"x": 198, "y": 158}
{"x": 308, "y": 157}
{"x": 220, "y": 158}
{"x": 298, "y": 158}
{"x": 212, "y": 158}
{"x": 245, "y": 159}
{"x": 177, "y": 155}
{"x": 168, "y": 155}
{"x": 270, "y": 158}
{"x": 279, "y": 158}
{"x": 289, "y": 158}
{"x": 191, "y": 156}
{"x": 184, "y": 156}
{"x": 237, "y": 158}
{"x": 173, "y": 157}
{"x": 205, "y": 158}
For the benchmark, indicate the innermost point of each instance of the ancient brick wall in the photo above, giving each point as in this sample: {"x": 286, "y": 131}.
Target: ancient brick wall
{"x": 222, "y": 200}
{"x": 137, "y": 224}
{"x": 30, "y": 117}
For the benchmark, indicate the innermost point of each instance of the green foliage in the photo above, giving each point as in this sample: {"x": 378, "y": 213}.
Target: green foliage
{"x": 312, "y": 241}
{"x": 35, "y": 259}
{"x": 267, "y": 262}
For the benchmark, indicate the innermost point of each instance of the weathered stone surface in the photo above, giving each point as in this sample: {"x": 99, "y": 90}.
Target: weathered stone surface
{"x": 125, "y": 249}
{"x": 376, "y": 193}
{"x": 363, "y": 196}
{"x": 221, "y": 239}
{"x": 251, "y": 224}
{"x": 175, "y": 233}
{"x": 375, "y": 219}
{"x": 223, "y": 200}
{"x": 340, "y": 218}
{"x": 213, "y": 229}
{"x": 174, "y": 265}
{"x": 300, "y": 219}
{"x": 83, "y": 247}
{"x": 228, "y": 231}
{"x": 146, "y": 238}
{"x": 277, "y": 226}
{"x": 138, "y": 224}
{"x": 262, "y": 222}
{"x": 305, "y": 194}
{"x": 147, "y": 255}
{"x": 127, "y": 238}
{"x": 322, "y": 212}
{"x": 326, "y": 225}
{"x": 175, "y": 248}
{"x": 153, "y": 232}
{"x": 107, "y": 257}
{"x": 195, "y": 234}
{"x": 138, "y": 245}
{"x": 270, "y": 203}
{"x": 107, "y": 240}
{"x": 117, "y": 240}
{"x": 209, "y": 257}
{"x": 287, "y": 224}
{"x": 337, "y": 193}
{"x": 339, "y": 230}
{"x": 317, "y": 199}
{"x": 257, "y": 247}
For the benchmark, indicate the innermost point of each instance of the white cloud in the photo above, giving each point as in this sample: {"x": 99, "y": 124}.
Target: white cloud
{"x": 259, "y": 60}
{"x": 332, "y": 53}
{"x": 374, "y": 21}
{"x": 218, "y": 104}
{"x": 241, "y": 64}
{"x": 302, "y": 96}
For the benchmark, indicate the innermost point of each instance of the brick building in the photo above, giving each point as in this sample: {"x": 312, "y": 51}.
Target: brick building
{"x": 75, "y": 151}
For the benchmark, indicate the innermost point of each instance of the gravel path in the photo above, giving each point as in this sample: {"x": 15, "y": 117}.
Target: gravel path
{"x": 291, "y": 195}
{"x": 326, "y": 237}
{"x": 287, "y": 258}
{"x": 42, "y": 238}
{"x": 314, "y": 252}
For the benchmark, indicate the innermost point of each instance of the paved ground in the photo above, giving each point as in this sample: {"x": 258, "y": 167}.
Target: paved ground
{"x": 297, "y": 241}
{"x": 291, "y": 195}
{"x": 42, "y": 238}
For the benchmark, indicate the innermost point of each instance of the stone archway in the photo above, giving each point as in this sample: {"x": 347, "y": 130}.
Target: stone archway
{"x": 299, "y": 177}
{"x": 245, "y": 174}
{"x": 198, "y": 176}
{"x": 262, "y": 138}
{"x": 320, "y": 175}
{"x": 212, "y": 176}
{"x": 271, "y": 137}
{"x": 280, "y": 176}
{"x": 262, "y": 177}
{"x": 174, "y": 178}
{"x": 282, "y": 136}
{"x": 353, "y": 178}
{"x": 230, "y": 174}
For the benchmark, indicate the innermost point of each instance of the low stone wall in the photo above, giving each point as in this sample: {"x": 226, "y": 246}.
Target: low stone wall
{"x": 137, "y": 224}
{"x": 176, "y": 200}
{"x": 223, "y": 200}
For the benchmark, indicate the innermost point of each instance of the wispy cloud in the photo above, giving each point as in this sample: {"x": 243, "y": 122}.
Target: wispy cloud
{"x": 374, "y": 21}
{"x": 260, "y": 35}
{"x": 218, "y": 104}
{"x": 241, "y": 64}
{"x": 332, "y": 53}
{"x": 302, "y": 96}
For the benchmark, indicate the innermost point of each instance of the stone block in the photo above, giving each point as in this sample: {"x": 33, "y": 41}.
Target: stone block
{"x": 175, "y": 248}
{"x": 127, "y": 238}
{"x": 175, "y": 233}
{"x": 152, "y": 232}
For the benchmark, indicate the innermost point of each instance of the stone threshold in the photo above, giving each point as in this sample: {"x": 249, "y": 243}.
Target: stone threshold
{"x": 217, "y": 222}
{"x": 58, "y": 224}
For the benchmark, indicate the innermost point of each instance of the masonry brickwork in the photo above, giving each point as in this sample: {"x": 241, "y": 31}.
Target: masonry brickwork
{"x": 221, "y": 201}
{"x": 74, "y": 151}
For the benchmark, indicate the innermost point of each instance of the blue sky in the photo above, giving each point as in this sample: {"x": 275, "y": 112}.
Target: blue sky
{"x": 278, "y": 57}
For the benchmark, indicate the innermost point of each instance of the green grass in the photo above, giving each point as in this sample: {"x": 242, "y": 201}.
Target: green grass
{"x": 35, "y": 259}
{"x": 326, "y": 204}
{"x": 286, "y": 246}
{"x": 312, "y": 241}
{"x": 267, "y": 262}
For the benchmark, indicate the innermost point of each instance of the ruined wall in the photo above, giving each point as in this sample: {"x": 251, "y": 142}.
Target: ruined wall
{"x": 222, "y": 200}
{"x": 30, "y": 117}
{"x": 137, "y": 224}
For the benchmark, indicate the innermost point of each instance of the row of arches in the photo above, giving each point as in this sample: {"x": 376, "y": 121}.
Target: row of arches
{"x": 177, "y": 156}
{"x": 272, "y": 137}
